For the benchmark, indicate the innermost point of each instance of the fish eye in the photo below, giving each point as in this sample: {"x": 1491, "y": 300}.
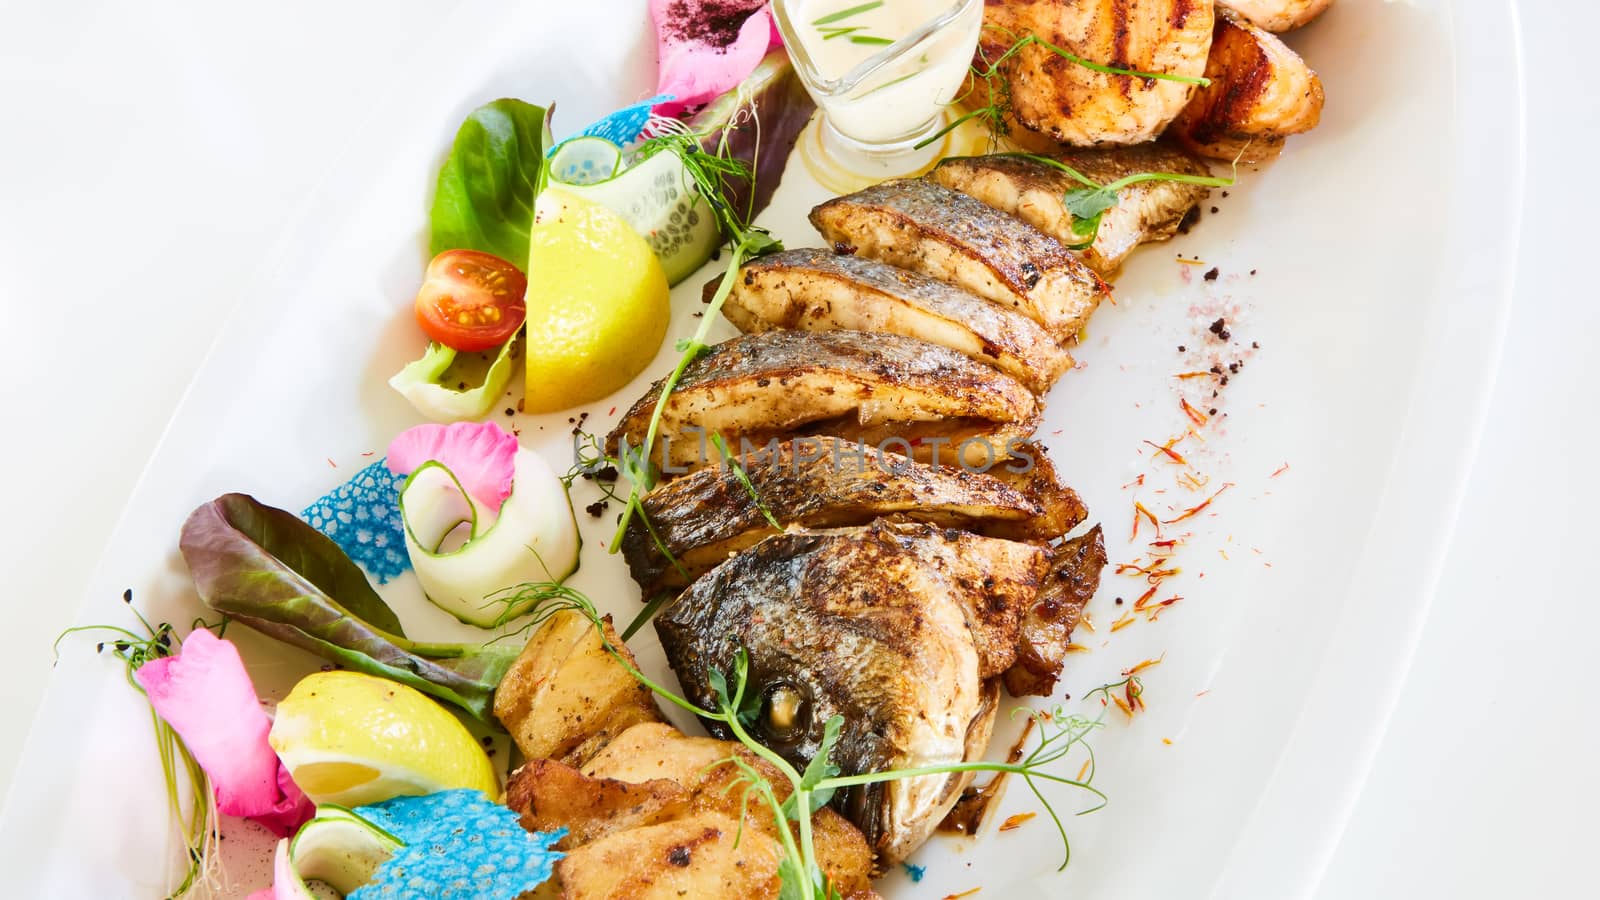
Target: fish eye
{"x": 783, "y": 711}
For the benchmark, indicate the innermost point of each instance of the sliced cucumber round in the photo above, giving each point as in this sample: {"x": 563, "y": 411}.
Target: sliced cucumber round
{"x": 585, "y": 160}
{"x": 534, "y": 538}
{"x": 337, "y": 847}
{"x": 655, "y": 196}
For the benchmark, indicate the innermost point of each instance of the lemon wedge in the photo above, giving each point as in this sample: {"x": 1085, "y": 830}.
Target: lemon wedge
{"x": 597, "y": 303}
{"x": 352, "y": 739}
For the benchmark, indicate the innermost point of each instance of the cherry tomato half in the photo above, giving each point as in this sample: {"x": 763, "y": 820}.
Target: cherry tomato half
{"x": 471, "y": 301}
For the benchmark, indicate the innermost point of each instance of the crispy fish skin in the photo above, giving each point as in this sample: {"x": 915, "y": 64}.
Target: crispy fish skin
{"x": 894, "y": 627}
{"x": 708, "y": 515}
{"x": 780, "y": 382}
{"x": 816, "y": 290}
{"x": 1069, "y": 585}
{"x": 1032, "y": 191}
{"x": 1031, "y": 471}
{"x": 1060, "y": 101}
{"x": 1261, "y": 92}
{"x": 925, "y": 227}
{"x": 1278, "y": 15}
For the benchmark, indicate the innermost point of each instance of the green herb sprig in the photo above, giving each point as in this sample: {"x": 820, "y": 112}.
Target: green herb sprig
{"x": 843, "y": 14}
{"x": 710, "y": 172}
{"x": 995, "y": 111}
{"x": 199, "y": 823}
{"x": 1089, "y": 204}
{"x": 802, "y": 877}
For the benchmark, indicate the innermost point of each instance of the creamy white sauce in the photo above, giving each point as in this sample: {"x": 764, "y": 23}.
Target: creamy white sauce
{"x": 901, "y": 99}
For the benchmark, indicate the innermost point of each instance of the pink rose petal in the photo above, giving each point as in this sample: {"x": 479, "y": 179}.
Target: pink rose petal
{"x": 206, "y": 696}
{"x": 692, "y": 68}
{"x": 481, "y": 455}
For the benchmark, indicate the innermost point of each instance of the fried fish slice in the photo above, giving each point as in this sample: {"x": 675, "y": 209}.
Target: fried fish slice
{"x": 1046, "y": 631}
{"x": 707, "y": 855}
{"x": 1032, "y": 191}
{"x": 1261, "y": 92}
{"x": 1278, "y": 15}
{"x": 566, "y": 695}
{"x": 1058, "y": 100}
{"x": 549, "y": 795}
{"x": 654, "y": 752}
{"x": 895, "y": 627}
{"x": 817, "y": 290}
{"x": 842, "y": 383}
{"x": 708, "y": 515}
{"x": 925, "y": 227}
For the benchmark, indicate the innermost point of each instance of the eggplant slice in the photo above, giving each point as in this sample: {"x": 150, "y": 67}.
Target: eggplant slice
{"x": 1033, "y": 191}
{"x": 711, "y": 514}
{"x": 817, "y": 290}
{"x": 901, "y": 629}
{"x": 925, "y": 227}
{"x": 889, "y": 390}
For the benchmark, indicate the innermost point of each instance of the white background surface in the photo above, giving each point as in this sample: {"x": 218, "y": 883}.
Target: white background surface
{"x": 151, "y": 156}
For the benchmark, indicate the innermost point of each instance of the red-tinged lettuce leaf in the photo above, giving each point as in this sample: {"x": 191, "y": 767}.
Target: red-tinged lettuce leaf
{"x": 265, "y": 568}
{"x": 782, "y": 107}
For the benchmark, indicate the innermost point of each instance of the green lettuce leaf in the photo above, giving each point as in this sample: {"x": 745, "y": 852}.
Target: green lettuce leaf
{"x": 434, "y": 383}
{"x": 267, "y": 569}
{"x": 484, "y": 199}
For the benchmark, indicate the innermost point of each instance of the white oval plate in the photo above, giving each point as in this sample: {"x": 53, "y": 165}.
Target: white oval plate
{"x": 1381, "y": 246}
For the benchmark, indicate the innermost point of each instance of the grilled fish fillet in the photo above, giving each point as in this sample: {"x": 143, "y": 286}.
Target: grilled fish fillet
{"x": 817, "y": 290}
{"x": 1278, "y": 15}
{"x": 1032, "y": 191}
{"x": 842, "y": 383}
{"x": 898, "y": 628}
{"x": 1046, "y": 630}
{"x": 708, "y": 515}
{"x": 925, "y": 227}
{"x": 1062, "y": 101}
{"x": 1261, "y": 92}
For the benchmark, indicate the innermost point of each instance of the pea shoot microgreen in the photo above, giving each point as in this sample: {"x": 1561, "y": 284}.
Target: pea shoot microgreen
{"x": 744, "y": 479}
{"x": 802, "y": 877}
{"x": 199, "y": 822}
{"x": 1088, "y": 204}
{"x": 711, "y": 172}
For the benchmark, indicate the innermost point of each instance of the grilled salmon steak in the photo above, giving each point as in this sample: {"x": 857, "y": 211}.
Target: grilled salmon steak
{"x": 1057, "y": 100}
{"x": 1261, "y": 92}
{"x": 1278, "y": 15}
